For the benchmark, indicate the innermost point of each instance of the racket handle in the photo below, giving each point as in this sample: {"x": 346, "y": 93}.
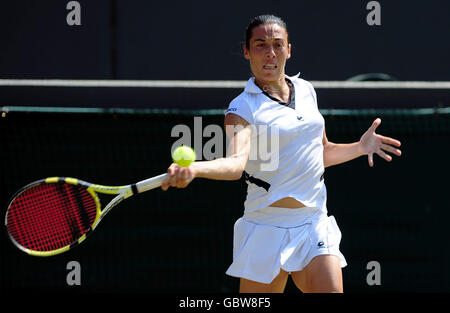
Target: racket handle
{"x": 150, "y": 183}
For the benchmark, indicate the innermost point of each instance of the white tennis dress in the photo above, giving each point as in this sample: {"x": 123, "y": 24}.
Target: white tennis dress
{"x": 286, "y": 160}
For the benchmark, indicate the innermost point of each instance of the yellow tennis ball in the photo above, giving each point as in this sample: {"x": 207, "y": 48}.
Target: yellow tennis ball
{"x": 183, "y": 156}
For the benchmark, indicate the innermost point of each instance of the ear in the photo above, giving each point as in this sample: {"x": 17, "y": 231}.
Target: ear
{"x": 246, "y": 53}
{"x": 289, "y": 51}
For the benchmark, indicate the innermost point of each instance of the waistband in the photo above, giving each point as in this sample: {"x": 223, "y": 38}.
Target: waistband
{"x": 285, "y": 217}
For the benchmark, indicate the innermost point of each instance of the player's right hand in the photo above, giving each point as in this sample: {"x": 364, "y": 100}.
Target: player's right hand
{"x": 178, "y": 177}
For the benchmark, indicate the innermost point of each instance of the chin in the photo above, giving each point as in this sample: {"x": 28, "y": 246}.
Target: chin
{"x": 272, "y": 76}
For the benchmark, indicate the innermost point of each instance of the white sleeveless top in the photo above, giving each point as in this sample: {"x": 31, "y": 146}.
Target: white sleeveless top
{"x": 286, "y": 154}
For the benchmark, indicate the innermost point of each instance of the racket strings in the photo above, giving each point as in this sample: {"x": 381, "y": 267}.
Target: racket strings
{"x": 51, "y": 216}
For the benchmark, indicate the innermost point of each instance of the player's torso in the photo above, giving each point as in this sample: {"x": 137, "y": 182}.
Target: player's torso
{"x": 293, "y": 131}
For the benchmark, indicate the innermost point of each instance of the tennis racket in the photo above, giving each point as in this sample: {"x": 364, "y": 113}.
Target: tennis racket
{"x": 53, "y": 215}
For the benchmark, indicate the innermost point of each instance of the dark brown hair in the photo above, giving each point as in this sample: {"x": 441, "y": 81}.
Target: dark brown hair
{"x": 263, "y": 20}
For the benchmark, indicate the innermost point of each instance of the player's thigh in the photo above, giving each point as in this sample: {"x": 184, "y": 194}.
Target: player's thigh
{"x": 276, "y": 286}
{"x": 322, "y": 274}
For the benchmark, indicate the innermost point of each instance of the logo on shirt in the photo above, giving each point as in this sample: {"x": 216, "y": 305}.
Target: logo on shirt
{"x": 299, "y": 118}
{"x": 232, "y": 110}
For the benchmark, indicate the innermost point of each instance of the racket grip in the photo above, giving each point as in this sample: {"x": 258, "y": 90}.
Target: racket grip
{"x": 150, "y": 183}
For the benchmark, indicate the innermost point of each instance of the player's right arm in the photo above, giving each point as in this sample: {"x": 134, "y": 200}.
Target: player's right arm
{"x": 231, "y": 167}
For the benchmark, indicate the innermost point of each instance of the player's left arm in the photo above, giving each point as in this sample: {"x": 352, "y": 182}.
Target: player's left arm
{"x": 370, "y": 143}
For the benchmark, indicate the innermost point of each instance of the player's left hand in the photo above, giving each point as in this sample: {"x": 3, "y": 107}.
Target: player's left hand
{"x": 372, "y": 142}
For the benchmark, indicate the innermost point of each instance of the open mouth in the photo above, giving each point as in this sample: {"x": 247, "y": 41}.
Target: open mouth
{"x": 270, "y": 66}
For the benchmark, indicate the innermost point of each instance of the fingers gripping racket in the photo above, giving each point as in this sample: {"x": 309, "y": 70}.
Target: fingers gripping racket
{"x": 53, "y": 215}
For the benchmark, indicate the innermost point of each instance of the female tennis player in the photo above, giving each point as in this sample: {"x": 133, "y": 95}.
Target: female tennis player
{"x": 285, "y": 228}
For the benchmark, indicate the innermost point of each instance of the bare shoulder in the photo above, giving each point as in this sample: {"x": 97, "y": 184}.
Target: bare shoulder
{"x": 234, "y": 119}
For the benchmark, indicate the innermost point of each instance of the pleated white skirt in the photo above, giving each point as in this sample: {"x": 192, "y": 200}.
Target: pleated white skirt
{"x": 272, "y": 238}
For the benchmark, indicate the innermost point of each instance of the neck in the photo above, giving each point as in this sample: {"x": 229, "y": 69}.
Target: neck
{"x": 278, "y": 87}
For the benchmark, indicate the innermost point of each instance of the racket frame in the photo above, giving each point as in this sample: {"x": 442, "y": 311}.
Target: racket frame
{"x": 122, "y": 192}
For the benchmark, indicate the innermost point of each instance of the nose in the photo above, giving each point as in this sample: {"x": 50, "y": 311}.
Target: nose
{"x": 270, "y": 53}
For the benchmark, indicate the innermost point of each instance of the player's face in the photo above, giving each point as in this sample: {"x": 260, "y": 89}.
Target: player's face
{"x": 268, "y": 51}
